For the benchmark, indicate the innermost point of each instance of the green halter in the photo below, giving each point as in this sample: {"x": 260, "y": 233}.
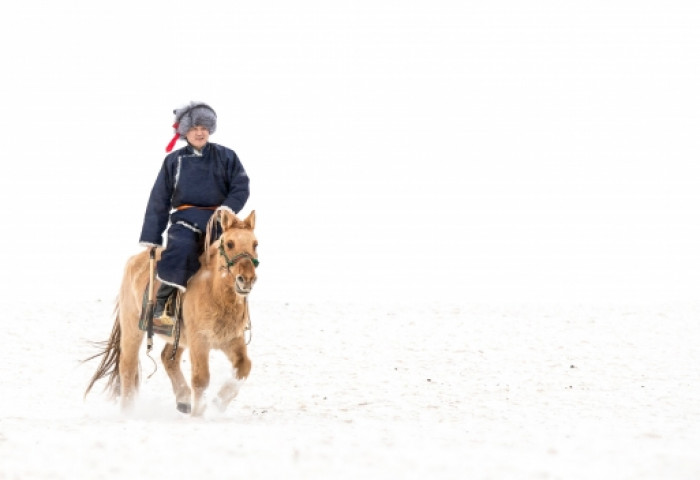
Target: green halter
{"x": 231, "y": 262}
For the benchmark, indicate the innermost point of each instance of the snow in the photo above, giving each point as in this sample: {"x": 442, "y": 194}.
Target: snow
{"x": 477, "y": 222}
{"x": 345, "y": 391}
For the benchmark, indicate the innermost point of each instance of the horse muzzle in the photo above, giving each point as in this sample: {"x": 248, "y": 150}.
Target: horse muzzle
{"x": 243, "y": 285}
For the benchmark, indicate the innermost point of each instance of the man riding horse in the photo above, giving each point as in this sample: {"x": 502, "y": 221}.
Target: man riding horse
{"x": 192, "y": 183}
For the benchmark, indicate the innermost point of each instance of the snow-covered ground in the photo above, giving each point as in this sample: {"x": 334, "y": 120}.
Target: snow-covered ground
{"x": 373, "y": 391}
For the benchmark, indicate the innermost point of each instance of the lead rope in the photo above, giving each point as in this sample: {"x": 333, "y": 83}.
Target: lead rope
{"x": 249, "y": 325}
{"x": 155, "y": 365}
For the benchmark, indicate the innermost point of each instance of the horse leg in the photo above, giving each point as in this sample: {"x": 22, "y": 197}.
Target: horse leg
{"x": 129, "y": 365}
{"x": 199, "y": 356}
{"x": 183, "y": 394}
{"x": 237, "y": 353}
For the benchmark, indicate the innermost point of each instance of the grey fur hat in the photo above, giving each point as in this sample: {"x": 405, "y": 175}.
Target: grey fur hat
{"x": 192, "y": 115}
{"x": 196, "y": 113}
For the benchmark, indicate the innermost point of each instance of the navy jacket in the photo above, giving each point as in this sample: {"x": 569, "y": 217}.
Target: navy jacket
{"x": 216, "y": 178}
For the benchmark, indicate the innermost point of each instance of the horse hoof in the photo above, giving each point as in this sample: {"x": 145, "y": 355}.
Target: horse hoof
{"x": 184, "y": 407}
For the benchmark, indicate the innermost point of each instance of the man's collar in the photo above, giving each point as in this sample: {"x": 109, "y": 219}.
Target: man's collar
{"x": 192, "y": 150}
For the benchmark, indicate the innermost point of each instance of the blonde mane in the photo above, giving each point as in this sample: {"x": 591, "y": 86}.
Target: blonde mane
{"x": 227, "y": 220}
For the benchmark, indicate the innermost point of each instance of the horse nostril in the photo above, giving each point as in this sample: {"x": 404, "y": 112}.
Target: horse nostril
{"x": 244, "y": 283}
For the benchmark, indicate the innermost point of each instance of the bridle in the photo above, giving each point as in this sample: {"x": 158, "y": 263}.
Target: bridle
{"x": 230, "y": 262}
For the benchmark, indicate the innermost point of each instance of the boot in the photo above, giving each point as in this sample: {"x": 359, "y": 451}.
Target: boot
{"x": 161, "y": 314}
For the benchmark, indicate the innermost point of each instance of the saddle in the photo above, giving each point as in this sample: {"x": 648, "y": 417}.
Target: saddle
{"x": 172, "y": 315}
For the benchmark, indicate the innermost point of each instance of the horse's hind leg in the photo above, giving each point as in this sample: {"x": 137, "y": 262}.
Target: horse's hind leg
{"x": 129, "y": 366}
{"x": 183, "y": 394}
{"x": 237, "y": 353}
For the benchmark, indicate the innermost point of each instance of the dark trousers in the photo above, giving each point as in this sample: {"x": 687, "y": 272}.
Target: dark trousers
{"x": 180, "y": 259}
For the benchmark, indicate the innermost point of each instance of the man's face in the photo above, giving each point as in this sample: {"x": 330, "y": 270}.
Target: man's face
{"x": 198, "y": 136}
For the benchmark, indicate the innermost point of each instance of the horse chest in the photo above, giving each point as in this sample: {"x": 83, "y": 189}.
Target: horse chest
{"x": 226, "y": 328}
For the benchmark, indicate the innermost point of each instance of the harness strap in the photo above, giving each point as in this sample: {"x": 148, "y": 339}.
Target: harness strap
{"x": 230, "y": 262}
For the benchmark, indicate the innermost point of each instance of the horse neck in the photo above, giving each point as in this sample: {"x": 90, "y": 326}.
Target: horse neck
{"x": 223, "y": 295}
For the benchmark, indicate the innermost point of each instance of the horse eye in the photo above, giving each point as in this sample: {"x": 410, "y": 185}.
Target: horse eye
{"x": 229, "y": 244}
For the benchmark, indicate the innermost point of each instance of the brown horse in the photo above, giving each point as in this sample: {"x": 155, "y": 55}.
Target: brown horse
{"x": 214, "y": 313}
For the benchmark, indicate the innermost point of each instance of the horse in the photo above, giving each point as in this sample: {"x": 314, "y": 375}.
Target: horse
{"x": 214, "y": 310}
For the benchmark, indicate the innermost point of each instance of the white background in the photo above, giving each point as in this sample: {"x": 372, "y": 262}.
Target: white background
{"x": 454, "y": 150}
{"x": 444, "y": 154}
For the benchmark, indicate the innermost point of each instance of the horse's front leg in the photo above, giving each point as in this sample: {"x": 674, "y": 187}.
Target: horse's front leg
{"x": 199, "y": 356}
{"x": 237, "y": 353}
{"x": 183, "y": 394}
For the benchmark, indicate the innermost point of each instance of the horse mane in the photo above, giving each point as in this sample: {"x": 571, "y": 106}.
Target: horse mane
{"x": 211, "y": 231}
{"x": 227, "y": 219}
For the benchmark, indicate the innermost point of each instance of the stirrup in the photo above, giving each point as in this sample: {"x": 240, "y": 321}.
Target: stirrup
{"x": 166, "y": 318}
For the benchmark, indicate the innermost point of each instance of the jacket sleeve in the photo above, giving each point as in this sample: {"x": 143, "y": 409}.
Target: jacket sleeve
{"x": 158, "y": 208}
{"x": 239, "y": 184}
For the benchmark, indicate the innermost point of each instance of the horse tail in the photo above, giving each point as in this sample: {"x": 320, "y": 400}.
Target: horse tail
{"x": 109, "y": 365}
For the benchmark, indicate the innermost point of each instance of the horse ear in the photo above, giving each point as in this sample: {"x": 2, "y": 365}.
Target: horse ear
{"x": 250, "y": 220}
{"x": 226, "y": 219}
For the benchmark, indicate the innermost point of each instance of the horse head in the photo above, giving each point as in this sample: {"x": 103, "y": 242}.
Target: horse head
{"x": 235, "y": 254}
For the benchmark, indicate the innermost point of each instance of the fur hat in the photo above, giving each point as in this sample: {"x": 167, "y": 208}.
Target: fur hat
{"x": 192, "y": 115}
